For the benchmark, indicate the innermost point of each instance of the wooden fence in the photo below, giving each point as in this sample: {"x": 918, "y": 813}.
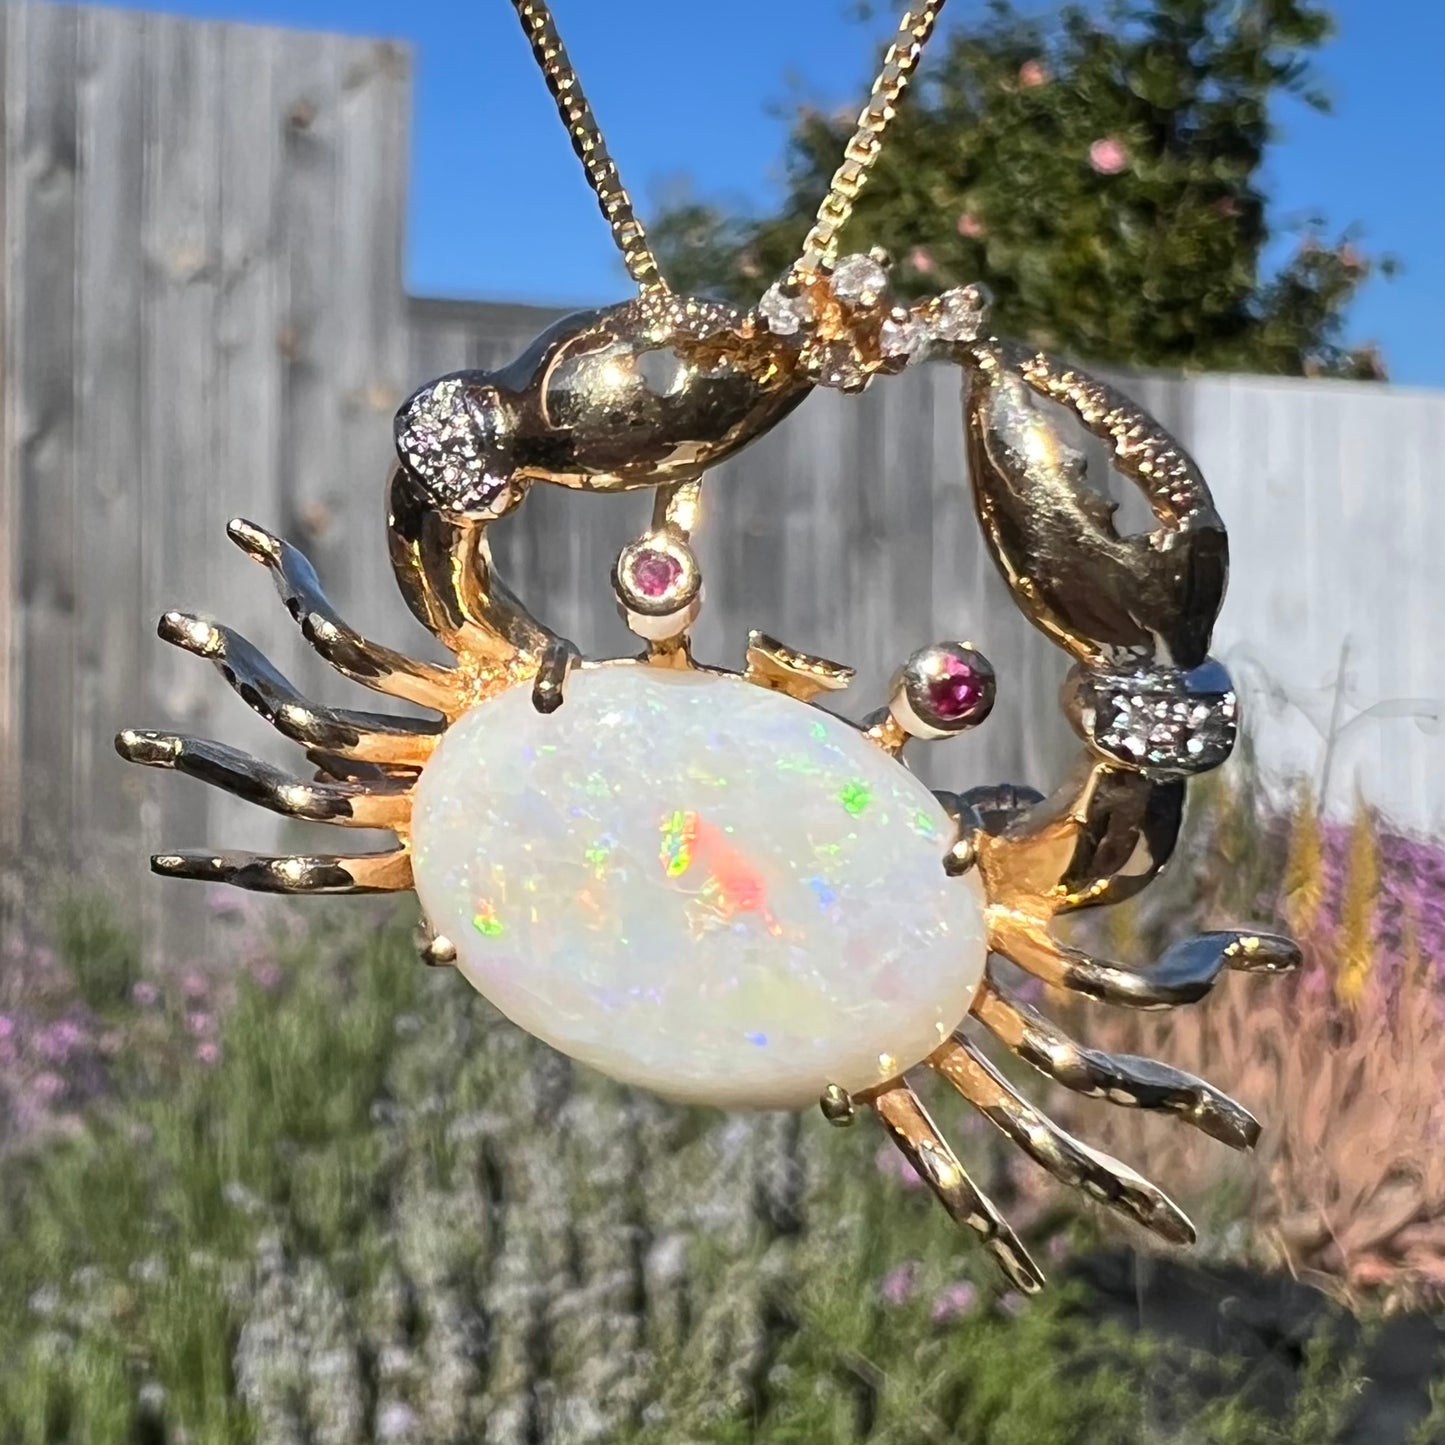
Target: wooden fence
{"x": 204, "y": 315}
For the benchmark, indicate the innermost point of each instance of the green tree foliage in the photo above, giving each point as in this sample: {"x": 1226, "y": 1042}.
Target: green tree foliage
{"x": 1100, "y": 173}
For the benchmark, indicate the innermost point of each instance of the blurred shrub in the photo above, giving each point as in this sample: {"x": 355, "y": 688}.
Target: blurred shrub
{"x": 101, "y": 952}
{"x": 1344, "y": 1064}
{"x": 335, "y": 1199}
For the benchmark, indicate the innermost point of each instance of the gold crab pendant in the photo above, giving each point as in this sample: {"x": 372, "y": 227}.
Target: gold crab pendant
{"x": 699, "y": 881}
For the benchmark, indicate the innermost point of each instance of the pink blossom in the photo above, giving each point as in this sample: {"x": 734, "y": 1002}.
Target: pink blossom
{"x": 954, "y": 1302}
{"x": 195, "y": 984}
{"x": 921, "y": 261}
{"x": 7, "y": 1026}
{"x": 1350, "y": 258}
{"x": 200, "y": 1023}
{"x": 899, "y": 1283}
{"x": 59, "y": 1041}
{"x": 47, "y": 1086}
{"x": 1108, "y": 156}
{"x": 268, "y": 975}
{"x": 1033, "y": 73}
{"x": 208, "y": 1052}
{"x": 970, "y": 225}
{"x": 892, "y": 1165}
{"x": 145, "y": 994}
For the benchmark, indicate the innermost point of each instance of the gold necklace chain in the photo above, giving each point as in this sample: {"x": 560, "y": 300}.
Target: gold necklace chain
{"x": 588, "y": 143}
{"x": 820, "y": 247}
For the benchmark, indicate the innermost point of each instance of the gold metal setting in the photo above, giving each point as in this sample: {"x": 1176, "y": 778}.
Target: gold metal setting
{"x": 653, "y": 392}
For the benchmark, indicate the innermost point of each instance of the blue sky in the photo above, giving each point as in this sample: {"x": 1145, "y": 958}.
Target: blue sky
{"x": 499, "y": 209}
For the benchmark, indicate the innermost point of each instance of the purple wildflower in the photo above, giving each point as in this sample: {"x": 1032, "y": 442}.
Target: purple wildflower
{"x": 59, "y": 1041}
{"x": 47, "y": 1086}
{"x": 146, "y": 994}
{"x": 208, "y": 1052}
{"x": 899, "y": 1283}
{"x": 953, "y": 1302}
{"x": 267, "y": 974}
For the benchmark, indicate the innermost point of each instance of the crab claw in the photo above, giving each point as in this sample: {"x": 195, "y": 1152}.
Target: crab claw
{"x": 1112, "y": 601}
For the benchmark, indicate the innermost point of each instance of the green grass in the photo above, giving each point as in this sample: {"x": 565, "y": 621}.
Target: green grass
{"x": 384, "y": 1212}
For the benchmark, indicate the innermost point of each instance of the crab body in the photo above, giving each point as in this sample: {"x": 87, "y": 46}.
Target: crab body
{"x": 709, "y": 889}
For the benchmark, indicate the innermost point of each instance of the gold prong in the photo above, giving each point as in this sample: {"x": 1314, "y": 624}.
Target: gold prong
{"x": 365, "y": 737}
{"x": 961, "y": 858}
{"x": 774, "y": 665}
{"x": 351, "y": 654}
{"x": 837, "y": 1106}
{"x": 884, "y": 730}
{"x": 1069, "y": 1161}
{"x": 551, "y": 676}
{"x": 262, "y": 873}
{"x": 432, "y": 948}
{"x": 924, "y": 1147}
{"x": 1122, "y": 1079}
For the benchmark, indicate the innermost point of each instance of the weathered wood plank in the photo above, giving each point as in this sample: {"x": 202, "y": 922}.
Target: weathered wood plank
{"x": 247, "y": 338}
{"x": 115, "y": 640}
{"x": 44, "y": 232}
{"x": 181, "y": 238}
{"x": 11, "y": 652}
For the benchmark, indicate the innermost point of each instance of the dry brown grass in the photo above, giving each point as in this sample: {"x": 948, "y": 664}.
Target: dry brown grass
{"x": 1344, "y": 1064}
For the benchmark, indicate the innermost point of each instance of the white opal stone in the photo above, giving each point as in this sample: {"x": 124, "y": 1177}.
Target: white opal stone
{"x": 698, "y": 886}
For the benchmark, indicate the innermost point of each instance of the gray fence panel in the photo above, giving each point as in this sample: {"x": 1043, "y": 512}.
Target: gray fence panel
{"x": 204, "y": 315}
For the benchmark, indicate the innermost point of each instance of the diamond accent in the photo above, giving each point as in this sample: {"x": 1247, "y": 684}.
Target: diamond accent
{"x": 786, "y": 315}
{"x": 960, "y": 314}
{"x": 901, "y": 338}
{"x": 447, "y": 434}
{"x": 859, "y": 279}
{"x": 1162, "y": 719}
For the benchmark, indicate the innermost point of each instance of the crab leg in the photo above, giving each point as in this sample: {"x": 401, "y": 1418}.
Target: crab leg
{"x": 339, "y": 733}
{"x": 352, "y": 655}
{"x": 1069, "y": 1161}
{"x": 926, "y": 1150}
{"x": 1124, "y": 1079}
{"x": 364, "y": 873}
{"x": 1099, "y": 839}
{"x": 443, "y": 567}
{"x": 784, "y": 669}
{"x": 382, "y": 803}
{"x": 1184, "y": 972}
